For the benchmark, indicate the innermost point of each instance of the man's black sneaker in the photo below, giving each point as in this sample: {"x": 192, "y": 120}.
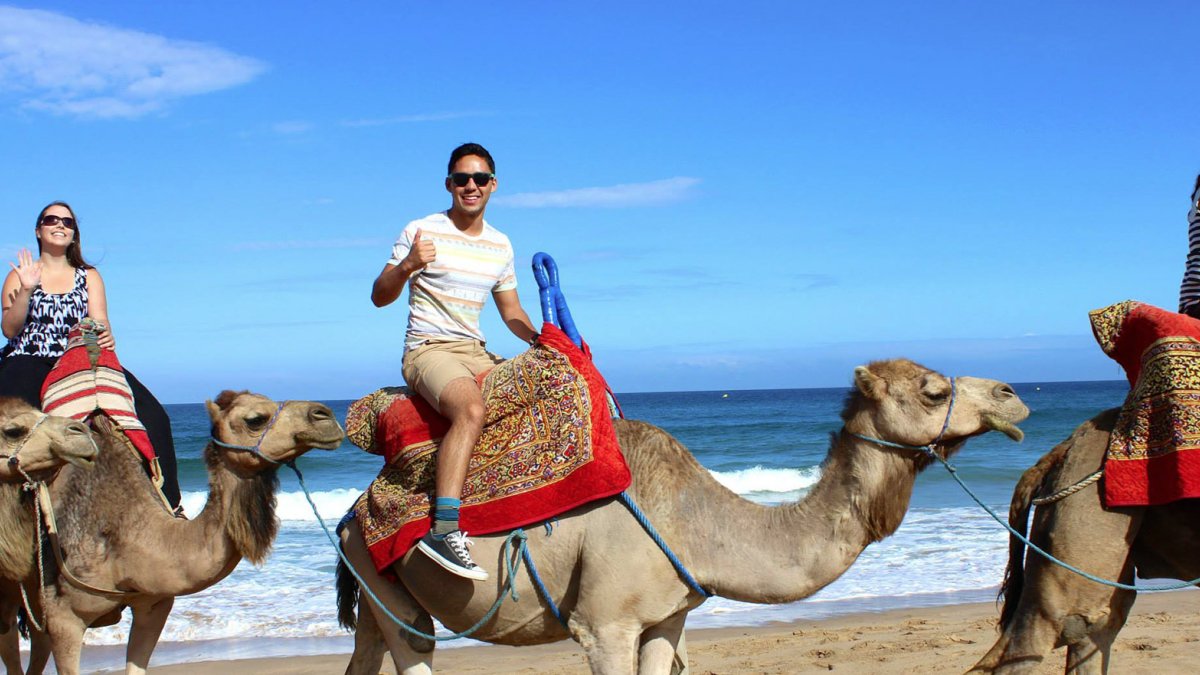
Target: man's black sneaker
{"x": 452, "y": 554}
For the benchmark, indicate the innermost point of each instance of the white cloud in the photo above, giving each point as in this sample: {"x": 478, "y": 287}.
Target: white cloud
{"x": 410, "y": 119}
{"x": 292, "y": 127}
{"x": 654, "y": 193}
{"x": 64, "y": 66}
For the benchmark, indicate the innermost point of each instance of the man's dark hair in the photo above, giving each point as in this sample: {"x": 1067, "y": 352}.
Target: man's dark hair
{"x": 467, "y": 149}
{"x": 1193, "y": 189}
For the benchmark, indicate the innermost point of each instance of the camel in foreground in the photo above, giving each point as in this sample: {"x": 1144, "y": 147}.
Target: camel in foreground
{"x": 42, "y": 445}
{"x": 116, "y": 533}
{"x": 1046, "y": 606}
{"x": 624, "y": 602}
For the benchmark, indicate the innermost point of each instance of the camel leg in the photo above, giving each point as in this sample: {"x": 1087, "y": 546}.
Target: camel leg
{"x": 611, "y": 649}
{"x": 10, "y": 651}
{"x": 1089, "y": 653}
{"x": 410, "y": 659}
{"x": 369, "y": 645}
{"x": 66, "y": 640}
{"x": 681, "y": 666}
{"x": 407, "y": 660}
{"x": 148, "y": 622}
{"x": 39, "y": 652}
{"x": 660, "y": 644}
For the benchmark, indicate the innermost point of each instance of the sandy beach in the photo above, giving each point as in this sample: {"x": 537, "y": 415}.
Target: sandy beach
{"x": 1159, "y": 638}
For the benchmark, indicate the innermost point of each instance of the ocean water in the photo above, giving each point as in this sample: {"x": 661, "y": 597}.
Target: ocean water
{"x": 765, "y": 445}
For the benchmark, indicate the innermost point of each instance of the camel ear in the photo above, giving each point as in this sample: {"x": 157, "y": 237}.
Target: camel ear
{"x": 226, "y": 398}
{"x": 871, "y": 386}
{"x": 212, "y": 410}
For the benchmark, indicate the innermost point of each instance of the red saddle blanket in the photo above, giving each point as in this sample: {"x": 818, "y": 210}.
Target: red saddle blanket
{"x": 87, "y": 379}
{"x": 1154, "y": 450}
{"x": 548, "y": 445}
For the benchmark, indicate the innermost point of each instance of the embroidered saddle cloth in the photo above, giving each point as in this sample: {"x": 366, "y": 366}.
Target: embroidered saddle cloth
{"x": 548, "y": 445}
{"x": 1154, "y": 450}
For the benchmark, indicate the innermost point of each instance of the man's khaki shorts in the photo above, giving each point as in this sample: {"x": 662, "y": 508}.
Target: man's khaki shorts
{"x": 433, "y": 365}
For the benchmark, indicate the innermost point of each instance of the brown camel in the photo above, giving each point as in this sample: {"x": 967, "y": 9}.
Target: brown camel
{"x": 116, "y": 533}
{"x": 1046, "y": 606}
{"x": 624, "y": 602}
{"x": 42, "y": 445}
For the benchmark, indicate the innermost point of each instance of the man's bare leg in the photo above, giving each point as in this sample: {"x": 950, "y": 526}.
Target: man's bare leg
{"x": 462, "y": 403}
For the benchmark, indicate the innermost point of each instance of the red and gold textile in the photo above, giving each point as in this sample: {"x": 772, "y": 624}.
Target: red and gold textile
{"x": 87, "y": 379}
{"x": 548, "y": 445}
{"x": 1154, "y": 451}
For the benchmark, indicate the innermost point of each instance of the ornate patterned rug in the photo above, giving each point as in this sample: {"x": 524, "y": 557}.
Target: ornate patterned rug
{"x": 548, "y": 445}
{"x": 1154, "y": 451}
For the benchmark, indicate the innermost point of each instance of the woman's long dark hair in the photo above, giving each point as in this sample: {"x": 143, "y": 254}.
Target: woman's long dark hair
{"x": 74, "y": 249}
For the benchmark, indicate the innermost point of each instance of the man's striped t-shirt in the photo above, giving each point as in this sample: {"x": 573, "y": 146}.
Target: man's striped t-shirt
{"x": 1189, "y": 290}
{"x": 446, "y": 298}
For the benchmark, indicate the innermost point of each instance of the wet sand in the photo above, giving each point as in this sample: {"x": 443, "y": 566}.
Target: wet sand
{"x": 1161, "y": 637}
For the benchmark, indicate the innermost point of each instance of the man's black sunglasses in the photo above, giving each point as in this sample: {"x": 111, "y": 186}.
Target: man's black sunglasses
{"x": 481, "y": 178}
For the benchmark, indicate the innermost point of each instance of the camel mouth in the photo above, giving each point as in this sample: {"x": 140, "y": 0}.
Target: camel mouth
{"x": 324, "y": 442}
{"x": 82, "y": 461}
{"x": 997, "y": 423}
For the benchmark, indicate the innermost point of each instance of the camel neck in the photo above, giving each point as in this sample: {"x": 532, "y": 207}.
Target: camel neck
{"x": 789, "y": 552}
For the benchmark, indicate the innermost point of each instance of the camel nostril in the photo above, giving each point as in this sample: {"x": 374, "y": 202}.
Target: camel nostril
{"x": 77, "y": 428}
{"x": 320, "y": 414}
{"x": 1003, "y": 391}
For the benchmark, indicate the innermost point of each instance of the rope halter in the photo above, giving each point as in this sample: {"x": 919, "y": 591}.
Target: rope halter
{"x": 930, "y": 448}
{"x": 256, "y": 449}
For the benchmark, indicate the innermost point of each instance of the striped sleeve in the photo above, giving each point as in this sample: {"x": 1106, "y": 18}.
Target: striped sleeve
{"x": 403, "y": 244}
{"x": 1189, "y": 290}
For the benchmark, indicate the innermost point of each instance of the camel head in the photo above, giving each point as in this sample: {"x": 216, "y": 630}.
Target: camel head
{"x": 280, "y": 433}
{"x": 40, "y": 443}
{"x": 904, "y": 402}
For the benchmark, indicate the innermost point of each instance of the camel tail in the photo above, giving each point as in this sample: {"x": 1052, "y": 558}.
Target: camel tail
{"x": 1027, "y": 488}
{"x": 347, "y": 597}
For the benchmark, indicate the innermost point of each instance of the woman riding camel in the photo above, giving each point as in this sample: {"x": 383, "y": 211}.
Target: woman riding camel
{"x": 42, "y": 300}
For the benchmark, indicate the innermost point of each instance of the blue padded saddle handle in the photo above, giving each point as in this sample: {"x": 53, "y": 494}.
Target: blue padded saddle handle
{"x": 554, "y": 304}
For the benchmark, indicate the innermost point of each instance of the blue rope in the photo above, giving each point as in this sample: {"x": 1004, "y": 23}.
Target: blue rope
{"x": 929, "y": 450}
{"x": 645, "y": 522}
{"x": 510, "y": 567}
{"x": 541, "y": 587}
{"x": 1048, "y": 556}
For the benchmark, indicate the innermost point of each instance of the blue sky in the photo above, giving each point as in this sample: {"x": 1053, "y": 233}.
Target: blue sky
{"x": 739, "y": 195}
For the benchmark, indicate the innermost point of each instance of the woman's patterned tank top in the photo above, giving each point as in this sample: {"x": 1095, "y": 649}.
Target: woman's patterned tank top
{"x": 50, "y": 318}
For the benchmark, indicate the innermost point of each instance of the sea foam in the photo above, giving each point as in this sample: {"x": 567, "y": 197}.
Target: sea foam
{"x": 764, "y": 484}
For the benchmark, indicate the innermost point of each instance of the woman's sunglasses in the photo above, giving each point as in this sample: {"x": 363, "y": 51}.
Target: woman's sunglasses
{"x": 67, "y": 222}
{"x": 481, "y": 178}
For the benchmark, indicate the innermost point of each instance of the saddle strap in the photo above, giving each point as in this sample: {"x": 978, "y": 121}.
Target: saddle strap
{"x": 52, "y": 534}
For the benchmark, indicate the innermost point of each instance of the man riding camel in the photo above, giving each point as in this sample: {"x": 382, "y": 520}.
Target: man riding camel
{"x": 451, "y": 260}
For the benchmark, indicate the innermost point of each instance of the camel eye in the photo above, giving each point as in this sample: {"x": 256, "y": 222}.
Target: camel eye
{"x": 256, "y": 422}
{"x": 936, "y": 395}
{"x": 14, "y": 433}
